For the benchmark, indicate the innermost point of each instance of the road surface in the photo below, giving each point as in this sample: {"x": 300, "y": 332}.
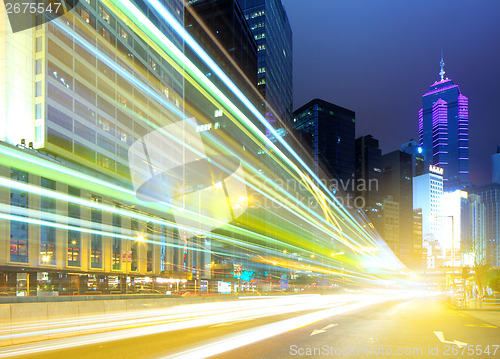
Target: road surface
{"x": 408, "y": 327}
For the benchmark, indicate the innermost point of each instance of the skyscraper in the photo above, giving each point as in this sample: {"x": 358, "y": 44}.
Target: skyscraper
{"x": 490, "y": 196}
{"x": 444, "y": 131}
{"x": 329, "y": 129}
{"x": 428, "y": 196}
{"x": 225, "y": 23}
{"x": 271, "y": 29}
{"x": 75, "y": 93}
{"x": 415, "y": 151}
{"x": 496, "y": 166}
{"x": 398, "y": 184}
{"x": 368, "y": 171}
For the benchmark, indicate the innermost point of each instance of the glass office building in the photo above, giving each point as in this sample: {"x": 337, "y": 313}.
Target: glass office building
{"x": 76, "y": 93}
{"x": 329, "y": 130}
{"x": 271, "y": 29}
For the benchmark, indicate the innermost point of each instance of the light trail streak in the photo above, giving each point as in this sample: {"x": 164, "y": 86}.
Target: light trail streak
{"x": 271, "y": 197}
{"x": 299, "y": 241}
{"x": 137, "y": 17}
{"x": 131, "y": 325}
{"x": 91, "y": 204}
{"x": 263, "y": 332}
{"x": 206, "y": 58}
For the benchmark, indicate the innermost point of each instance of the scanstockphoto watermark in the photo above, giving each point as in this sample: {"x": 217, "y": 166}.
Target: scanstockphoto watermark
{"x": 354, "y": 350}
{"x": 344, "y": 190}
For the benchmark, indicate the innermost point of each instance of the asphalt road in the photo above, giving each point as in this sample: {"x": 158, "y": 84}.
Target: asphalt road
{"x": 404, "y": 329}
{"x": 412, "y": 328}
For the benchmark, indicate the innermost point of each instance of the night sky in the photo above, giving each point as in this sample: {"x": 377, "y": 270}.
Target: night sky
{"x": 378, "y": 58}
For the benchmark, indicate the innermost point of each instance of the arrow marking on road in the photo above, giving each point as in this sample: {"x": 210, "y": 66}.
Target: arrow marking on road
{"x": 319, "y": 331}
{"x": 440, "y": 336}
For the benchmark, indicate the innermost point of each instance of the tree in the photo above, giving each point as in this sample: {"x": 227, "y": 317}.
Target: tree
{"x": 495, "y": 283}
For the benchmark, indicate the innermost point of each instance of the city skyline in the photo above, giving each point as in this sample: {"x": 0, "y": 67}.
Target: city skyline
{"x": 377, "y": 46}
{"x": 153, "y": 206}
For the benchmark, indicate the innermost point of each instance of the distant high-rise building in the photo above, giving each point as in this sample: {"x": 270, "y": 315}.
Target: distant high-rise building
{"x": 496, "y": 166}
{"x": 390, "y": 227}
{"x": 473, "y": 231}
{"x": 271, "y": 29}
{"x": 368, "y": 173}
{"x": 418, "y": 252}
{"x": 397, "y": 183}
{"x": 427, "y": 196}
{"x": 225, "y": 23}
{"x": 330, "y": 131}
{"x": 444, "y": 131}
{"x": 490, "y": 196}
{"x": 416, "y": 153}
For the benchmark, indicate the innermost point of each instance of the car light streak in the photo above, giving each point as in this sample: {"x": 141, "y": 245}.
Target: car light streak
{"x": 139, "y": 323}
{"x": 254, "y": 335}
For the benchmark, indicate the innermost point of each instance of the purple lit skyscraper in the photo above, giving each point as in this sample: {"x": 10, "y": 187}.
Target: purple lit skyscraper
{"x": 444, "y": 131}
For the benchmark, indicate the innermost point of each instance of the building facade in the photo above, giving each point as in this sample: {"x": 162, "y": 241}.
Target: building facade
{"x": 419, "y": 253}
{"x": 271, "y": 29}
{"x": 490, "y": 197}
{"x": 223, "y": 21}
{"x": 444, "y": 131}
{"x": 428, "y": 196}
{"x": 495, "y": 159}
{"x": 398, "y": 183}
{"x": 390, "y": 227}
{"x": 368, "y": 171}
{"x": 329, "y": 129}
{"x": 416, "y": 153}
{"x": 473, "y": 230}
{"x": 76, "y": 93}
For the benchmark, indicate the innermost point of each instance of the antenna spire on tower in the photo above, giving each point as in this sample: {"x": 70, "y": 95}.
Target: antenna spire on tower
{"x": 442, "y": 72}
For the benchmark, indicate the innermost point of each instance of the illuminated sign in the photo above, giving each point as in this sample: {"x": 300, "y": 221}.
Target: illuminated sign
{"x": 435, "y": 169}
{"x": 224, "y": 287}
{"x": 207, "y": 127}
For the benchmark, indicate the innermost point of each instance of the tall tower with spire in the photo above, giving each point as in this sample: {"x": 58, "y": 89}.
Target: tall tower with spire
{"x": 444, "y": 131}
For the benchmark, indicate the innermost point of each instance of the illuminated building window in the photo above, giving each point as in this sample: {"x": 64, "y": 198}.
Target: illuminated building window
{"x": 47, "y": 232}
{"x": 149, "y": 253}
{"x": 117, "y": 242}
{"x": 74, "y": 236}
{"x": 19, "y": 229}
{"x": 96, "y": 239}
{"x": 134, "y": 226}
